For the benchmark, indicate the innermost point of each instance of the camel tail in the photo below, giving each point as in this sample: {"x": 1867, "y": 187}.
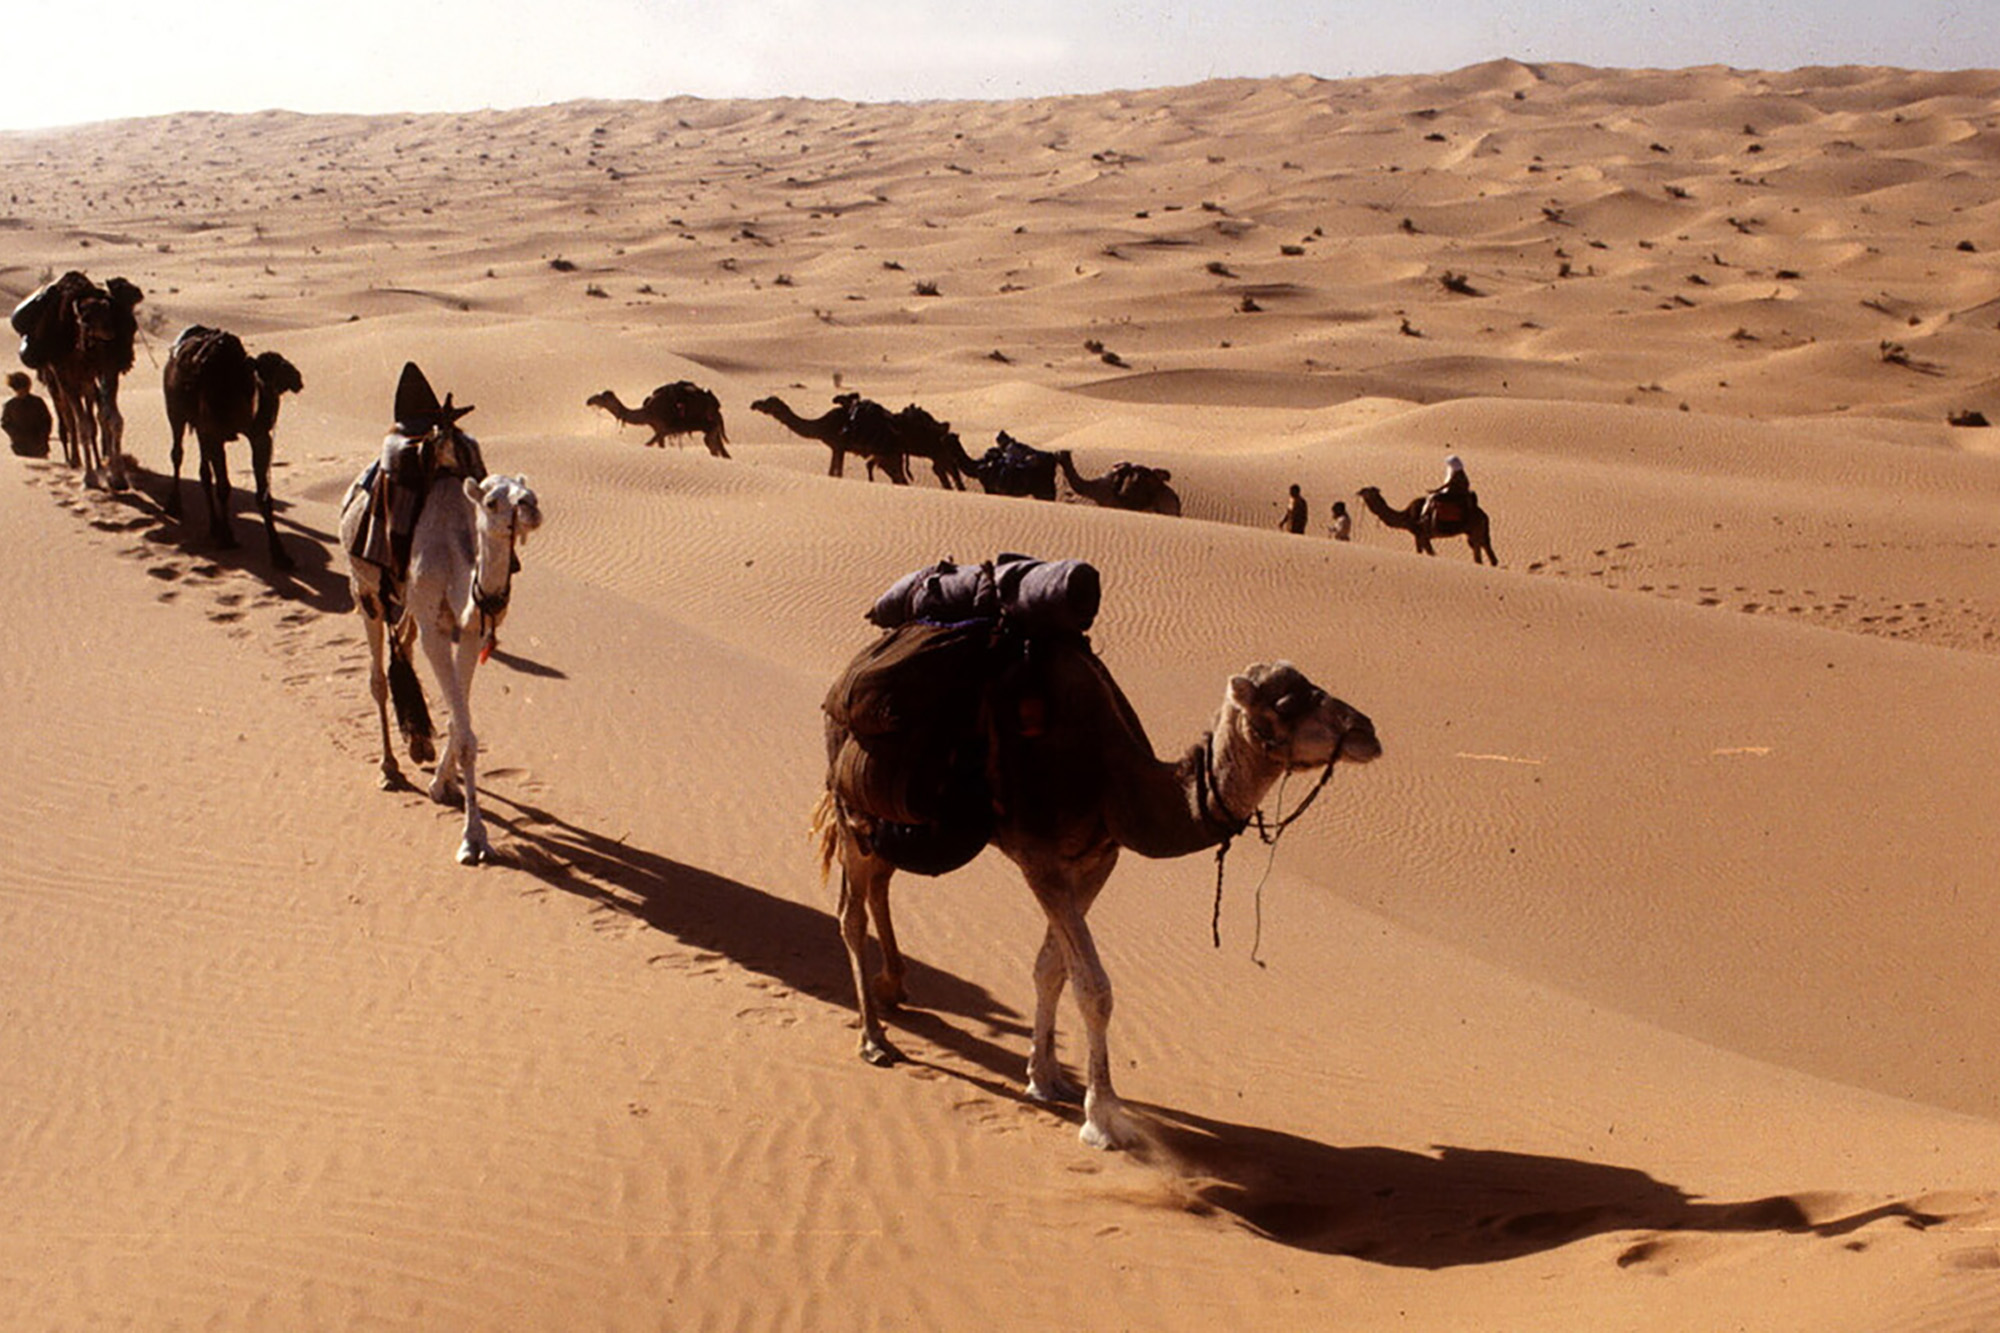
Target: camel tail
{"x": 413, "y": 715}
{"x": 826, "y": 833}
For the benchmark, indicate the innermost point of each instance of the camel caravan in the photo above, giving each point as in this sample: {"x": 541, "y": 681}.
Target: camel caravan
{"x": 980, "y": 716}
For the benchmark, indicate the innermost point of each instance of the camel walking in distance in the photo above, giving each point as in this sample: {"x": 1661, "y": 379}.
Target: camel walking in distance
{"x": 213, "y": 384}
{"x": 78, "y": 337}
{"x": 1131, "y": 486}
{"x": 673, "y": 410}
{"x": 1075, "y": 781}
{"x": 845, "y": 432}
{"x": 1013, "y": 468}
{"x": 1453, "y": 516}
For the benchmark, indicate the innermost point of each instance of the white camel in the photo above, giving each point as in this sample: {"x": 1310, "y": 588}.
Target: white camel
{"x": 453, "y": 603}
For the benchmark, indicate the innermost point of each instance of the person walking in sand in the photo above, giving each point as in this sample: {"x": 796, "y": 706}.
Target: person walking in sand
{"x": 1342, "y": 526}
{"x": 1294, "y": 520}
{"x": 25, "y": 419}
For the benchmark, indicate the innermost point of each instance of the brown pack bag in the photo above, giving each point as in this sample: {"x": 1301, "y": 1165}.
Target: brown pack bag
{"x": 906, "y": 731}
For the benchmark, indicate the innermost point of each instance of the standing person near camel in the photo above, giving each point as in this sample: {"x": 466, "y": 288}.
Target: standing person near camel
{"x": 1342, "y": 527}
{"x": 25, "y": 419}
{"x": 1294, "y": 520}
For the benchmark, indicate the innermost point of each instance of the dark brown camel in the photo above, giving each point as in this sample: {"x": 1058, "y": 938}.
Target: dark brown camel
{"x": 1131, "y": 486}
{"x": 78, "y": 337}
{"x": 1072, "y": 790}
{"x": 1013, "y": 468}
{"x": 922, "y": 435}
{"x": 1452, "y": 516}
{"x": 871, "y": 435}
{"x": 214, "y": 385}
{"x": 678, "y": 409}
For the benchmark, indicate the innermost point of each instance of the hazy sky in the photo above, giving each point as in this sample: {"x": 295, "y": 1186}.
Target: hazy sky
{"x": 107, "y": 59}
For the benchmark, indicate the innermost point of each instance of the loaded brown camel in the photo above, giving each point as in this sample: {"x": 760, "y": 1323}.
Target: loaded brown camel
{"x": 78, "y": 337}
{"x": 1131, "y": 486}
{"x": 1013, "y": 468}
{"x": 845, "y": 432}
{"x": 921, "y": 435}
{"x": 1450, "y": 516}
{"x": 679, "y": 409}
{"x": 1071, "y": 791}
{"x": 213, "y": 384}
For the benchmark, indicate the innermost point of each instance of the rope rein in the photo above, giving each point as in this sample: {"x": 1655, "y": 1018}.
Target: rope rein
{"x": 1268, "y": 831}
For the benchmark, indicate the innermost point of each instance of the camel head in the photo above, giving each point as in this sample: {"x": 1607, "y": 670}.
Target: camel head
{"x": 770, "y": 407}
{"x": 605, "y": 399}
{"x": 1295, "y": 721}
{"x": 277, "y": 375}
{"x": 506, "y": 506}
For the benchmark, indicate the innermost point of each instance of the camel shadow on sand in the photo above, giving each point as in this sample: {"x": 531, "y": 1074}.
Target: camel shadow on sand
{"x": 314, "y": 579}
{"x": 1450, "y": 1207}
{"x": 768, "y": 934}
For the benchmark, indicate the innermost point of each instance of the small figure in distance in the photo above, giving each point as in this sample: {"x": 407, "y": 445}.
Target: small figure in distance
{"x": 1294, "y": 520}
{"x": 1342, "y": 527}
{"x": 1447, "y": 503}
{"x": 25, "y": 419}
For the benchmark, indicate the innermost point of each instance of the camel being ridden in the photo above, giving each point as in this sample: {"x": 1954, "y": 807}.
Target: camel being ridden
{"x": 430, "y": 541}
{"x": 213, "y": 384}
{"x": 679, "y": 409}
{"x": 1428, "y": 517}
{"x": 870, "y": 435}
{"x": 78, "y": 337}
{"x": 1074, "y": 782}
{"x": 462, "y": 560}
{"x": 1132, "y": 486}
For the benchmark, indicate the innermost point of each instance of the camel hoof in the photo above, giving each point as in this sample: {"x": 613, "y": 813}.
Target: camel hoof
{"x": 1055, "y": 1092}
{"x": 1096, "y": 1136}
{"x": 392, "y": 778}
{"x": 878, "y": 1052}
{"x": 473, "y": 853}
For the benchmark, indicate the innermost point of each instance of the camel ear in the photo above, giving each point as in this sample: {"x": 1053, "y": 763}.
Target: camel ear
{"x": 472, "y": 491}
{"x": 1244, "y": 691}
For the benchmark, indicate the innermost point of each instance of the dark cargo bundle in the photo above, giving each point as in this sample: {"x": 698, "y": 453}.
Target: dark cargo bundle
{"x": 909, "y": 723}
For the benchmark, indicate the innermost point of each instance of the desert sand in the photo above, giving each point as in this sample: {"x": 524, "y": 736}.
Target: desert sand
{"x": 1646, "y": 982}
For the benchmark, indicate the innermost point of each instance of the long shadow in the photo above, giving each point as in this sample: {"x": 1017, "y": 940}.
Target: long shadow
{"x": 314, "y": 578}
{"x": 770, "y": 935}
{"x": 1448, "y": 1208}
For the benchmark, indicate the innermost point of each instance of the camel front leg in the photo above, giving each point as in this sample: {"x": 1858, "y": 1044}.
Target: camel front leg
{"x": 452, "y": 658}
{"x": 862, "y": 878}
{"x": 260, "y": 468}
{"x": 1046, "y": 1082}
{"x": 215, "y": 485}
{"x": 1105, "y": 1123}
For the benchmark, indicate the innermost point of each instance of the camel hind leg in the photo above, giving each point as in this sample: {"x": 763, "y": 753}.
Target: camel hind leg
{"x": 864, "y": 889}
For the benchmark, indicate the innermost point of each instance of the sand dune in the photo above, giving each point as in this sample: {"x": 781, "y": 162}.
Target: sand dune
{"x": 1641, "y": 984}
